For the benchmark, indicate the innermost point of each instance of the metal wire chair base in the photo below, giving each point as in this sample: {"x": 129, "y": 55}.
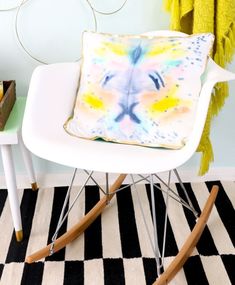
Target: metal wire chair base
{"x": 164, "y": 276}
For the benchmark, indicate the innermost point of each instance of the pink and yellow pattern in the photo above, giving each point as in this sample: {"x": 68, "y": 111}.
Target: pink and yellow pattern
{"x": 138, "y": 89}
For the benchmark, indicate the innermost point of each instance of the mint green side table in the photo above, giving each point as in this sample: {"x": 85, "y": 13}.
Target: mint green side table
{"x": 11, "y": 135}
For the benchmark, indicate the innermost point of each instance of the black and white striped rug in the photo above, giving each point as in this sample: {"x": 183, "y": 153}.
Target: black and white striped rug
{"x": 115, "y": 249}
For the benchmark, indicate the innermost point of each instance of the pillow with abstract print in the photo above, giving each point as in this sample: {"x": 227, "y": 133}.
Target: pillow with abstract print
{"x": 139, "y": 90}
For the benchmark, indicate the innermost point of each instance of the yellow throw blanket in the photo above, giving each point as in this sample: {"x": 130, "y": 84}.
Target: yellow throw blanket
{"x": 218, "y": 17}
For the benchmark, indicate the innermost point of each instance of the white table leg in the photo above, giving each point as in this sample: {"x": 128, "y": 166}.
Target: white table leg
{"x": 12, "y": 190}
{"x": 28, "y": 164}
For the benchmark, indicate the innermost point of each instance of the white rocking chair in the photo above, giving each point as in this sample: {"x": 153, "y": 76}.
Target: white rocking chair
{"x": 50, "y": 100}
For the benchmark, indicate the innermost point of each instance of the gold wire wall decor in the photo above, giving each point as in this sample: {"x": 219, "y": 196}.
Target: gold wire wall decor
{"x": 29, "y": 53}
{"x": 107, "y": 13}
{"x": 12, "y": 7}
{"x": 89, "y": 3}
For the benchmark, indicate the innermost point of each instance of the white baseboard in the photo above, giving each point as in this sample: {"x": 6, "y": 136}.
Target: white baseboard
{"x": 46, "y": 180}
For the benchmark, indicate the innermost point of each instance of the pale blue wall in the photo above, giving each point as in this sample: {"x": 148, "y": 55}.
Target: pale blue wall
{"x": 51, "y": 30}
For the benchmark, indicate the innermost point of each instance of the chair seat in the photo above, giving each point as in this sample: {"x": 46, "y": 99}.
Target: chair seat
{"x": 60, "y": 147}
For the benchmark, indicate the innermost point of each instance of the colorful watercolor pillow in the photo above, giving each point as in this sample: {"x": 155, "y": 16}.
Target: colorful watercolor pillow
{"x": 138, "y": 89}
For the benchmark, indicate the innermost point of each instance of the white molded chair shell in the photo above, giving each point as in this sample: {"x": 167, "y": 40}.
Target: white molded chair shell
{"x": 50, "y": 101}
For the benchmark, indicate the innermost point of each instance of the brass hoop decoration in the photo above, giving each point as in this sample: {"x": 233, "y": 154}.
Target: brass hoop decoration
{"x": 107, "y": 13}
{"x": 21, "y": 42}
{"x": 12, "y": 7}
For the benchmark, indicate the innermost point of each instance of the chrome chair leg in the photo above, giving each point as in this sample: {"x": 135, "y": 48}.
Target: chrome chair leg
{"x": 64, "y": 215}
{"x": 186, "y": 193}
{"x": 156, "y": 251}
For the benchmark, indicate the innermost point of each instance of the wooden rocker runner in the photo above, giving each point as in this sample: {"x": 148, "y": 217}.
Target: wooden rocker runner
{"x": 50, "y": 100}
{"x": 80, "y": 227}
